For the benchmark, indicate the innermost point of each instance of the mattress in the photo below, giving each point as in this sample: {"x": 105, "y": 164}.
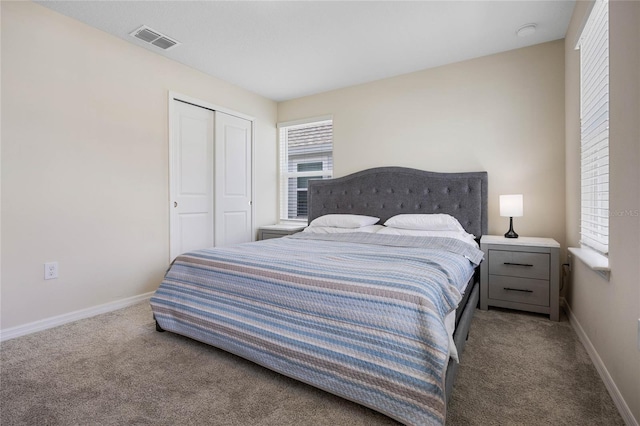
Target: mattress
{"x": 358, "y": 315}
{"x": 452, "y": 319}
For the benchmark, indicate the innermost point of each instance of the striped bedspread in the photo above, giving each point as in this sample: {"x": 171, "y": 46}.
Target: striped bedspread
{"x": 358, "y": 315}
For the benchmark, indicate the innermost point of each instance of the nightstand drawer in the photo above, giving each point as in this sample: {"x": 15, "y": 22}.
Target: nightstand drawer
{"x": 266, "y": 235}
{"x": 520, "y": 290}
{"x": 278, "y": 231}
{"x": 519, "y": 264}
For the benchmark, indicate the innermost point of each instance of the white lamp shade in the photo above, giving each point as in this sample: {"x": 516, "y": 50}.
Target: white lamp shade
{"x": 511, "y": 205}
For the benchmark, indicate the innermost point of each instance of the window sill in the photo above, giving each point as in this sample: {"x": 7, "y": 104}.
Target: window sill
{"x": 593, "y": 260}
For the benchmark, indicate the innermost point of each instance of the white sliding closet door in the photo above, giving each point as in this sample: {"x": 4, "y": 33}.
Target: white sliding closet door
{"x": 191, "y": 175}
{"x": 233, "y": 180}
{"x": 210, "y": 178}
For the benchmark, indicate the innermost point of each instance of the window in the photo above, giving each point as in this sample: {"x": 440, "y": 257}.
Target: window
{"x": 594, "y": 129}
{"x": 306, "y": 152}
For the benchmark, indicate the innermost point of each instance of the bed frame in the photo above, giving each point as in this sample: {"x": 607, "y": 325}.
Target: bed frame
{"x": 387, "y": 191}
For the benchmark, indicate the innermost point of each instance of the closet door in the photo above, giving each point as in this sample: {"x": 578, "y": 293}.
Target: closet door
{"x": 191, "y": 178}
{"x": 233, "y": 180}
{"x": 210, "y": 176}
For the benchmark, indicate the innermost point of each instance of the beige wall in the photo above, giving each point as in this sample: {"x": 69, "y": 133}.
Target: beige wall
{"x": 608, "y": 311}
{"x": 502, "y": 113}
{"x": 85, "y": 162}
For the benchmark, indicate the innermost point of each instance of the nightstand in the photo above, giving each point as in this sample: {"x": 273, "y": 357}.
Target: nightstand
{"x": 279, "y": 230}
{"x": 521, "y": 273}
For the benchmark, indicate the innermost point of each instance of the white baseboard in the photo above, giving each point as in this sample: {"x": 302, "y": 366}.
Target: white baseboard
{"x": 618, "y": 400}
{"x": 23, "y": 330}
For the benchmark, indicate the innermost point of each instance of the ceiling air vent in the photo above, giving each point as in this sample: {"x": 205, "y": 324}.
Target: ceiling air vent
{"x": 151, "y": 36}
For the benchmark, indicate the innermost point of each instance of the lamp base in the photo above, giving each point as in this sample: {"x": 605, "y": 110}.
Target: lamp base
{"x": 511, "y": 233}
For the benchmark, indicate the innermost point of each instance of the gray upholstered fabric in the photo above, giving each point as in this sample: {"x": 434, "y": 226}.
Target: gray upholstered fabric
{"x": 387, "y": 191}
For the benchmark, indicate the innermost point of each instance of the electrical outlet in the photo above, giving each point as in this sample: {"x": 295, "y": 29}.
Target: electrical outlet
{"x": 50, "y": 270}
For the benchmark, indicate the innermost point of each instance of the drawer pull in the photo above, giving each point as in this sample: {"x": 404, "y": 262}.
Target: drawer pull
{"x": 518, "y": 289}
{"x": 519, "y": 264}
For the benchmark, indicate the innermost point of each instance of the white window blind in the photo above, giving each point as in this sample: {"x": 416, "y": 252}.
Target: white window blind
{"x": 306, "y": 152}
{"x": 594, "y": 123}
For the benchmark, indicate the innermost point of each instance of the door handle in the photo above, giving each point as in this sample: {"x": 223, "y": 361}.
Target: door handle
{"x": 175, "y": 204}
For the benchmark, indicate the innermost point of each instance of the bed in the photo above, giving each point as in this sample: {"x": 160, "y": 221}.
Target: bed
{"x": 358, "y": 315}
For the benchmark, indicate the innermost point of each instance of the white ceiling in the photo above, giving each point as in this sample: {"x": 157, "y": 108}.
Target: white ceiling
{"x": 288, "y": 49}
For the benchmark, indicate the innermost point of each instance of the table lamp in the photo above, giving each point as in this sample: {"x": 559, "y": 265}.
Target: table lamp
{"x": 511, "y": 206}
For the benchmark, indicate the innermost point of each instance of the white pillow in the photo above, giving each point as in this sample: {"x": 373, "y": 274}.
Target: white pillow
{"x": 459, "y": 235}
{"x": 344, "y": 220}
{"x": 334, "y": 230}
{"x": 425, "y": 222}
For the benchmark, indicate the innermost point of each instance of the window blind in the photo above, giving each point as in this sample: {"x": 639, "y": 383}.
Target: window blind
{"x": 594, "y": 129}
{"x": 306, "y": 152}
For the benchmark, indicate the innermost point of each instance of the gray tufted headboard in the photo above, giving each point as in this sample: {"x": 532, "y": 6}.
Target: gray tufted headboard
{"x": 387, "y": 191}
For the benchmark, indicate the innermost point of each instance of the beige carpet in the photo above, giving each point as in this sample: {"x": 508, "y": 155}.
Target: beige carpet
{"x": 115, "y": 369}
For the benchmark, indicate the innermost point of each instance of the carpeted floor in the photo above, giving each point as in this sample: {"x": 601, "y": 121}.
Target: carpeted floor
{"x": 115, "y": 369}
